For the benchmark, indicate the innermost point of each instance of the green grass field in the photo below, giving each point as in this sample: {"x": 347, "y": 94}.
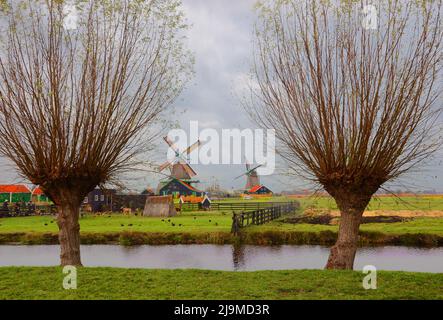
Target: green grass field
{"x": 195, "y": 222}
{"x": 211, "y": 227}
{"x": 380, "y": 203}
{"x": 113, "y": 283}
{"x": 199, "y": 222}
{"x": 214, "y": 227}
{"x": 418, "y": 225}
{"x": 425, "y": 202}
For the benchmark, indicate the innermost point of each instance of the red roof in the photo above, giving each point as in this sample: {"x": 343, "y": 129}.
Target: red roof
{"x": 37, "y": 191}
{"x": 255, "y": 188}
{"x": 14, "y": 188}
{"x": 188, "y": 186}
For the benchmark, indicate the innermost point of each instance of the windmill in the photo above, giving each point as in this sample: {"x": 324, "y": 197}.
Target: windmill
{"x": 252, "y": 179}
{"x": 179, "y": 166}
{"x": 179, "y": 180}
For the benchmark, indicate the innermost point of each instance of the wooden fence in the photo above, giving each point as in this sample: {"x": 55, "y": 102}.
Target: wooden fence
{"x": 261, "y": 216}
{"x": 27, "y": 210}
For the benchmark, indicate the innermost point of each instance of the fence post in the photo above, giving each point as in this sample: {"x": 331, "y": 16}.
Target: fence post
{"x": 242, "y": 219}
{"x": 235, "y": 227}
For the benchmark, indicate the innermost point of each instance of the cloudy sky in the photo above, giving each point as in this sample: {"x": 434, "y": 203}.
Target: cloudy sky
{"x": 220, "y": 38}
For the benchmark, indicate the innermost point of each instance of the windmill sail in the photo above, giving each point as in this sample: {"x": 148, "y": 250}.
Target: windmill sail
{"x": 252, "y": 178}
{"x": 179, "y": 166}
{"x": 165, "y": 165}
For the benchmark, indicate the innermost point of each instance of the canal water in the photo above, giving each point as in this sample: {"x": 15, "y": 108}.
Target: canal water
{"x": 225, "y": 257}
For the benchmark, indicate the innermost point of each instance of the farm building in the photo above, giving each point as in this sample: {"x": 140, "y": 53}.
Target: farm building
{"x": 203, "y": 202}
{"x": 177, "y": 188}
{"x": 15, "y": 193}
{"x": 38, "y": 196}
{"x": 99, "y": 200}
{"x": 133, "y": 201}
{"x": 159, "y": 206}
{"x": 259, "y": 190}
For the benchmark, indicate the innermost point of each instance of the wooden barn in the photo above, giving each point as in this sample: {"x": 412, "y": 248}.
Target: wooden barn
{"x": 259, "y": 190}
{"x": 159, "y": 206}
{"x": 15, "y": 193}
{"x": 101, "y": 200}
{"x": 177, "y": 188}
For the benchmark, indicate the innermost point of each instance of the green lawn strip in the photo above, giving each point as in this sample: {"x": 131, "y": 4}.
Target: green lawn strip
{"x": 202, "y": 223}
{"x": 379, "y": 203}
{"x": 417, "y": 225}
{"x": 190, "y": 222}
{"x": 214, "y": 228}
{"x": 114, "y": 283}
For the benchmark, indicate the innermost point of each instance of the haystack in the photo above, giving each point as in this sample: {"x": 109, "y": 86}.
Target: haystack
{"x": 159, "y": 206}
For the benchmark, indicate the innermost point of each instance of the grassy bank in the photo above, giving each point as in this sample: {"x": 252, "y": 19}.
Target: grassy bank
{"x": 433, "y": 202}
{"x": 251, "y": 238}
{"x": 199, "y": 228}
{"x": 193, "y": 222}
{"x": 112, "y": 283}
{"x": 385, "y": 202}
{"x": 215, "y": 226}
{"x": 200, "y": 222}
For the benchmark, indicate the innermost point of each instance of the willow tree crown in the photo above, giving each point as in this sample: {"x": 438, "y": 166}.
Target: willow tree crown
{"x": 80, "y": 103}
{"x": 353, "y": 107}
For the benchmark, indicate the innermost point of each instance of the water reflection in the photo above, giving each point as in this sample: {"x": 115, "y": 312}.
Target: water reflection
{"x": 238, "y": 256}
{"x": 225, "y": 257}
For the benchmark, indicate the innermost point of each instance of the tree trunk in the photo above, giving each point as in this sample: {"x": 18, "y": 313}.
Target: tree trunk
{"x": 343, "y": 252}
{"x": 352, "y": 205}
{"x": 69, "y": 234}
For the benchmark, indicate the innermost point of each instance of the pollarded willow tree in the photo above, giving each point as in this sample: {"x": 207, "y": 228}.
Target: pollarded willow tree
{"x": 82, "y": 89}
{"x": 354, "y": 101}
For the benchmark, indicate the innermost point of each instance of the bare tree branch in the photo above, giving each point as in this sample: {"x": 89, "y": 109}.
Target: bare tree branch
{"x": 353, "y": 108}
{"x": 79, "y": 105}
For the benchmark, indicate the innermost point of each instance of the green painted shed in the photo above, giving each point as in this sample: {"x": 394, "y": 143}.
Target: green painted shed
{"x": 15, "y": 193}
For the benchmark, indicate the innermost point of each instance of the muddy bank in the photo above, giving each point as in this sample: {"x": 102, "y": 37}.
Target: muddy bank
{"x": 327, "y": 219}
{"x": 245, "y": 237}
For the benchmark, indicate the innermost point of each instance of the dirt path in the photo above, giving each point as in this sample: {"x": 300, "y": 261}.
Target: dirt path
{"x": 399, "y": 213}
